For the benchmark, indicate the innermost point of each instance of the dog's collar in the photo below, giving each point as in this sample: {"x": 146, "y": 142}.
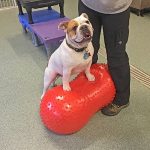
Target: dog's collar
{"x": 76, "y": 49}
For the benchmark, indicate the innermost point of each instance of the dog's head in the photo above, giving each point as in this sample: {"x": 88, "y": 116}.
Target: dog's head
{"x": 79, "y": 31}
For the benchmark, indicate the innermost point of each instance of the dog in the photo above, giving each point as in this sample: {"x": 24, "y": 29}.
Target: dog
{"x": 74, "y": 55}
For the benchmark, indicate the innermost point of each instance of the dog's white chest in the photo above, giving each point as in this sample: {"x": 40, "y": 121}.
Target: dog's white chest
{"x": 82, "y": 57}
{"x": 80, "y": 61}
{"x": 68, "y": 59}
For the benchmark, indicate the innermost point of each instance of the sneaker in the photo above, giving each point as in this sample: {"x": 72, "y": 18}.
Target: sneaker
{"x": 113, "y": 109}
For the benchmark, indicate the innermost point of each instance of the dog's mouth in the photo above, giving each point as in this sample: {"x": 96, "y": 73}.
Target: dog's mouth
{"x": 85, "y": 38}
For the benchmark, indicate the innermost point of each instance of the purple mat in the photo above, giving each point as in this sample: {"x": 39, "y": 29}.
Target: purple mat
{"x": 48, "y": 31}
{"x": 49, "y": 34}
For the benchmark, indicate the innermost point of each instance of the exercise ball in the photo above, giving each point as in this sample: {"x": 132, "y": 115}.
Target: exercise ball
{"x": 66, "y": 112}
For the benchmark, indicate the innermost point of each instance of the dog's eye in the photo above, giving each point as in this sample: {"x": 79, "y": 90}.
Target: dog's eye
{"x": 88, "y": 22}
{"x": 75, "y": 28}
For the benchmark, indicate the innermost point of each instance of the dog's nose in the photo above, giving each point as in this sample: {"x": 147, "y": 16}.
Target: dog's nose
{"x": 84, "y": 28}
{"x": 85, "y": 31}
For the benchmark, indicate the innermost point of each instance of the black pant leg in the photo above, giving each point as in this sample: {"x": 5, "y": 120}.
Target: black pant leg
{"x": 96, "y": 22}
{"x": 116, "y": 31}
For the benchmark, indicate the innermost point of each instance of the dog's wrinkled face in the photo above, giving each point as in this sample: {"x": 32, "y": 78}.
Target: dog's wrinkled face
{"x": 79, "y": 30}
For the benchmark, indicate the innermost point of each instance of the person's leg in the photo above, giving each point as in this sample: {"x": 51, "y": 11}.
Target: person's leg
{"x": 95, "y": 20}
{"x": 116, "y": 31}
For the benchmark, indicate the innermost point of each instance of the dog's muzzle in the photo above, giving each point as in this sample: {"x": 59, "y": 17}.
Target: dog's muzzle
{"x": 86, "y": 32}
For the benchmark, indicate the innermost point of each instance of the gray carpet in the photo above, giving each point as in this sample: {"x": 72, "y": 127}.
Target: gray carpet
{"x": 21, "y": 79}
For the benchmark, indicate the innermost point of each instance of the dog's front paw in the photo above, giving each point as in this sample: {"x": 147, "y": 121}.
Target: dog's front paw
{"x": 91, "y": 77}
{"x": 66, "y": 88}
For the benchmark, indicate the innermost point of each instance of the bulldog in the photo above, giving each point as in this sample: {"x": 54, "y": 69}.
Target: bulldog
{"x": 74, "y": 55}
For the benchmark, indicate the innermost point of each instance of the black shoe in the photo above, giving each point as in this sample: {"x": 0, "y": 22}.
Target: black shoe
{"x": 113, "y": 109}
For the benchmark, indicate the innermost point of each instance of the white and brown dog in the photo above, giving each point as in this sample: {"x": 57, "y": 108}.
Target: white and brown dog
{"x": 74, "y": 54}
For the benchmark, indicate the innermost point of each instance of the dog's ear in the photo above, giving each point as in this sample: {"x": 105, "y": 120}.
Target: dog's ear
{"x": 63, "y": 25}
{"x": 85, "y": 15}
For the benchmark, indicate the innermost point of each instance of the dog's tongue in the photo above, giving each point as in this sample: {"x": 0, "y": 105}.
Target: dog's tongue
{"x": 87, "y": 35}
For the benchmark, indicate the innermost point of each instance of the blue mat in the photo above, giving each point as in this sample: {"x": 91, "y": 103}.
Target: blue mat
{"x": 38, "y": 16}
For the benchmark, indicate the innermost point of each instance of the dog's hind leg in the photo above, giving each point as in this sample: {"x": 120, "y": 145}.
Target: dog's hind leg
{"x": 49, "y": 78}
{"x": 53, "y": 83}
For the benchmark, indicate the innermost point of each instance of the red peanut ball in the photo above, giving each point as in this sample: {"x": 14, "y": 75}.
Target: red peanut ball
{"x": 66, "y": 112}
